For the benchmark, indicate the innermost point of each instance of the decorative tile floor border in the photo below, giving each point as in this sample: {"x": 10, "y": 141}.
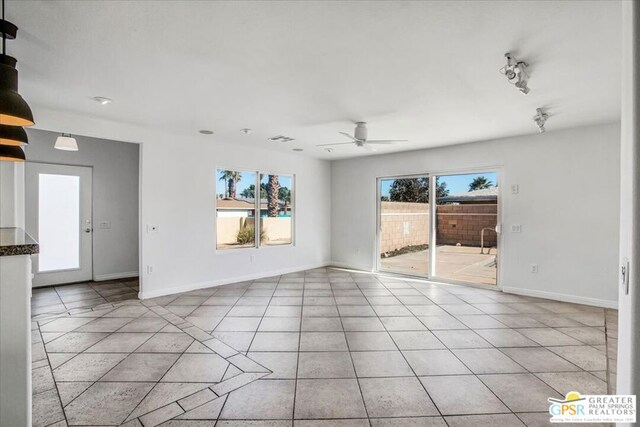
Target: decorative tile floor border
{"x": 206, "y": 402}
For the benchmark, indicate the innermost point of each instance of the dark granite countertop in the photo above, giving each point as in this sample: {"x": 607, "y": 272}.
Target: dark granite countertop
{"x": 14, "y": 241}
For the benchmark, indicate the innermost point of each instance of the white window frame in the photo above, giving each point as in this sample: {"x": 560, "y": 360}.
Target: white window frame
{"x": 257, "y": 226}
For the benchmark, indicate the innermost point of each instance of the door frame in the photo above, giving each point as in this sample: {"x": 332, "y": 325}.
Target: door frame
{"x": 499, "y": 170}
{"x": 36, "y": 195}
{"x": 378, "y": 235}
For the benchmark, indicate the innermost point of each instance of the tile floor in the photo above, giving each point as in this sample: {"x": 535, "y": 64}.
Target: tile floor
{"x": 324, "y": 347}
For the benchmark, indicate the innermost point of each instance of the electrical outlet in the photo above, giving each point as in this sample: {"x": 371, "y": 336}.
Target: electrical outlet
{"x": 534, "y": 268}
{"x": 516, "y": 228}
{"x": 149, "y": 269}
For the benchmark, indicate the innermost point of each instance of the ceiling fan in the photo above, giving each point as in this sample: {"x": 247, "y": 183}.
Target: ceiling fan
{"x": 359, "y": 138}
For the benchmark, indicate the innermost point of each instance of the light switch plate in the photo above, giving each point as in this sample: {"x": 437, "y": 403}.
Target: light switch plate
{"x": 516, "y": 228}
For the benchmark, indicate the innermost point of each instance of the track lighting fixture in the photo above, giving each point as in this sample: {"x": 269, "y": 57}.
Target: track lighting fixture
{"x": 540, "y": 119}
{"x": 516, "y": 73}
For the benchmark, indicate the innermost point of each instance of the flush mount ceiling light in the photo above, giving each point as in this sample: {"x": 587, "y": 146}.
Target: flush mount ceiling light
{"x": 11, "y": 153}
{"x": 540, "y": 119}
{"x": 298, "y": 149}
{"x": 14, "y": 110}
{"x": 102, "y": 100}
{"x": 206, "y": 132}
{"x": 66, "y": 142}
{"x": 516, "y": 73}
{"x": 246, "y": 131}
{"x": 13, "y": 135}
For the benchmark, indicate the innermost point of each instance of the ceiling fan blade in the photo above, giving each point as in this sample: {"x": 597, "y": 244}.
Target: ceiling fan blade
{"x": 348, "y": 136}
{"x": 337, "y": 143}
{"x": 386, "y": 141}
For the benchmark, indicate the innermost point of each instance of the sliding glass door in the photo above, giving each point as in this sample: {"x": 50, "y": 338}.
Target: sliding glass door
{"x": 455, "y": 238}
{"x": 466, "y": 227}
{"x": 403, "y": 206}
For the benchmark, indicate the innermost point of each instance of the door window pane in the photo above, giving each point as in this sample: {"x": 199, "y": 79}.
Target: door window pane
{"x": 276, "y": 209}
{"x": 58, "y": 222}
{"x": 404, "y": 225}
{"x": 466, "y": 238}
{"x": 235, "y": 209}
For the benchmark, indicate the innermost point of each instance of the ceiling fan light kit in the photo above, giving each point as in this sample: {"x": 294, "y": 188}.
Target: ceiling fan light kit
{"x": 14, "y": 110}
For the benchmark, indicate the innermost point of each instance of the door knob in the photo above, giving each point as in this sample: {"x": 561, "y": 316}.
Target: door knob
{"x": 87, "y": 230}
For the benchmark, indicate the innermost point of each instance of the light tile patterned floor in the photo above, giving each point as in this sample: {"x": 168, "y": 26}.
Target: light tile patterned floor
{"x": 323, "y": 347}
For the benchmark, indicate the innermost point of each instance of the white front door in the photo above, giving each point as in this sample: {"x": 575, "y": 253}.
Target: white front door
{"x": 58, "y": 216}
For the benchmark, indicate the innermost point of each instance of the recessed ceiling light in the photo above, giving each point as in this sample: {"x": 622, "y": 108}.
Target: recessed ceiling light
{"x": 102, "y": 100}
{"x": 298, "y": 149}
{"x": 246, "y": 131}
{"x": 206, "y": 132}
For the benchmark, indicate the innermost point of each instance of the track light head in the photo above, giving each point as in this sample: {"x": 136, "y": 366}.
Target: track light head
{"x": 516, "y": 73}
{"x": 540, "y": 119}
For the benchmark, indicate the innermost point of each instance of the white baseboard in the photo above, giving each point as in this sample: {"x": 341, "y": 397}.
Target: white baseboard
{"x": 365, "y": 269}
{"x": 212, "y": 283}
{"x": 113, "y": 276}
{"x": 597, "y": 302}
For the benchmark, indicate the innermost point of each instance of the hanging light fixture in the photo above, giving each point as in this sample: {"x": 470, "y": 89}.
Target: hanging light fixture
{"x": 11, "y": 153}
{"x": 14, "y": 110}
{"x": 66, "y": 142}
{"x": 13, "y": 135}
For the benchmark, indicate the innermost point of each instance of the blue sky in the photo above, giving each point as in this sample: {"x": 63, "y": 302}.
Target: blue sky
{"x": 246, "y": 180}
{"x": 455, "y": 183}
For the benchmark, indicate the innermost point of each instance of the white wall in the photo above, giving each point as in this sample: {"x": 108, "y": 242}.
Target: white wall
{"x": 178, "y": 195}
{"x": 568, "y": 206}
{"x": 115, "y": 196}
{"x": 11, "y": 195}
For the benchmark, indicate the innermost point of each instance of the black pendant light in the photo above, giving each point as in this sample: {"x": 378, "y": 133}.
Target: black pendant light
{"x": 11, "y": 153}
{"x": 14, "y": 111}
{"x": 13, "y": 135}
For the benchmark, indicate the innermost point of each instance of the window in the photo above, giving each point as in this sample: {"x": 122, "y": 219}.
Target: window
{"x": 59, "y": 222}
{"x": 276, "y": 219}
{"x": 238, "y": 206}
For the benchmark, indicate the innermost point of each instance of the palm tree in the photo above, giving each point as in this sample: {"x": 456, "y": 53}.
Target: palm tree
{"x": 224, "y": 176}
{"x": 231, "y": 178}
{"x": 273, "y": 191}
{"x": 480, "y": 183}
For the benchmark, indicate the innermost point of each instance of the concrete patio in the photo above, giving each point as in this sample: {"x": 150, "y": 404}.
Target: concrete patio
{"x": 463, "y": 263}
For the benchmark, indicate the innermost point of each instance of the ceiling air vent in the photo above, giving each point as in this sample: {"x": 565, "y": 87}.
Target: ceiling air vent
{"x": 280, "y": 138}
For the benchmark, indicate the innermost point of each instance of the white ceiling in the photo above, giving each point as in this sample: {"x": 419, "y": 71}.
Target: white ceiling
{"x": 422, "y": 71}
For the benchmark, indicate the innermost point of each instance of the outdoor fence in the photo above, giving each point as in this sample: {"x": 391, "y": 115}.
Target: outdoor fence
{"x": 276, "y": 228}
{"x": 407, "y": 224}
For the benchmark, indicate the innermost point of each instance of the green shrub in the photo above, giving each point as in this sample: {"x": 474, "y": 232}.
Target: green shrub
{"x": 247, "y": 235}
